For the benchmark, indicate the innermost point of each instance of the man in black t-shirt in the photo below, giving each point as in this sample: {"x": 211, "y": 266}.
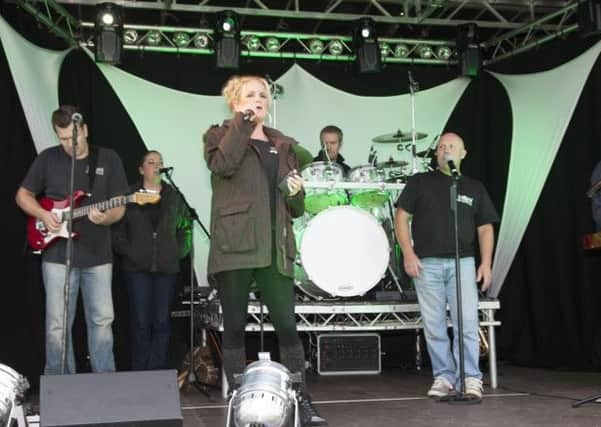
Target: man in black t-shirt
{"x": 330, "y": 139}
{"x": 98, "y": 171}
{"x": 424, "y": 205}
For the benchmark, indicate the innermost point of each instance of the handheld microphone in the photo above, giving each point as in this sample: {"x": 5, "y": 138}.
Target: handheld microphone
{"x": 452, "y": 167}
{"x": 166, "y": 170}
{"x": 77, "y": 118}
{"x": 248, "y": 115}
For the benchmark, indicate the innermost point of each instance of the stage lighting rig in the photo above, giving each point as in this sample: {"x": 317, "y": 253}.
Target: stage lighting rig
{"x": 227, "y": 40}
{"x": 366, "y": 46}
{"x": 108, "y": 33}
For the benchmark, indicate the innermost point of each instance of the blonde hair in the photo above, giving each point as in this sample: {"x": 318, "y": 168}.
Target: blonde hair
{"x": 232, "y": 91}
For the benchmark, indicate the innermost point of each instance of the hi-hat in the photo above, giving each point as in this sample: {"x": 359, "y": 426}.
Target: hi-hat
{"x": 392, "y": 164}
{"x": 398, "y": 136}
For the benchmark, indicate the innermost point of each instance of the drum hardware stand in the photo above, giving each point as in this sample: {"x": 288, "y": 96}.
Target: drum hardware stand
{"x": 413, "y": 87}
{"x": 191, "y": 378}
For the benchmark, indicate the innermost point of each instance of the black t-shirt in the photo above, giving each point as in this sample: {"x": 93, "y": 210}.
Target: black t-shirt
{"x": 49, "y": 176}
{"x": 426, "y": 196}
{"x": 269, "y": 159}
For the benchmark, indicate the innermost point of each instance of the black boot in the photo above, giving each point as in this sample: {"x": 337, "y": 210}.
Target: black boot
{"x": 309, "y": 417}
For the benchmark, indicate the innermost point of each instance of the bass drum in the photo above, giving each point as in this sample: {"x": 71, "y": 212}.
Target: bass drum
{"x": 344, "y": 252}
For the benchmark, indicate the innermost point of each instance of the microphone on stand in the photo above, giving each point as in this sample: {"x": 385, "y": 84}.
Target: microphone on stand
{"x": 77, "y": 118}
{"x": 452, "y": 167}
{"x": 166, "y": 170}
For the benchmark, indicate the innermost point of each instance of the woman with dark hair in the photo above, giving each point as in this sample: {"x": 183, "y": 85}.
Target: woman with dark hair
{"x": 256, "y": 192}
{"x": 151, "y": 240}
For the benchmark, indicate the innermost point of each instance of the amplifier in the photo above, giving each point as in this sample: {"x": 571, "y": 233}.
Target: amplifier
{"x": 348, "y": 354}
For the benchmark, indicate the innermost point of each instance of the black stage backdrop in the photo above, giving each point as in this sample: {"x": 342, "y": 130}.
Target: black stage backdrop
{"x": 550, "y": 301}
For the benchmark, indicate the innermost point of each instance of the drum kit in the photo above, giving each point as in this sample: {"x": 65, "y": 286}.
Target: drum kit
{"x": 346, "y": 243}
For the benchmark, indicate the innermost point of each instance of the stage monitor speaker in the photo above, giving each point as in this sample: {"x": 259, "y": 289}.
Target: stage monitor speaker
{"x": 143, "y": 398}
{"x": 347, "y": 354}
{"x": 589, "y": 17}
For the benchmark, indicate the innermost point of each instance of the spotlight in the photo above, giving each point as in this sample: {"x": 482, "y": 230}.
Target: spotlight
{"x": 384, "y": 49}
{"x": 108, "y": 32}
{"x": 365, "y": 45}
{"x": 253, "y": 43}
{"x": 335, "y": 47}
{"x": 468, "y": 49}
{"x": 201, "y": 41}
{"x": 130, "y": 36}
{"x": 316, "y": 46}
{"x": 272, "y": 44}
{"x": 444, "y": 52}
{"x": 12, "y": 391}
{"x": 181, "y": 39}
{"x": 227, "y": 40}
{"x": 425, "y": 51}
{"x": 153, "y": 38}
{"x": 265, "y": 396}
{"x": 401, "y": 50}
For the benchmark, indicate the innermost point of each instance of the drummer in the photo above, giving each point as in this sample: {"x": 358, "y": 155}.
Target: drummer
{"x": 331, "y": 141}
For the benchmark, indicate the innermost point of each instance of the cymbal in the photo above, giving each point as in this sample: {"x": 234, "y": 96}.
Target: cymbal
{"x": 392, "y": 164}
{"x": 398, "y": 136}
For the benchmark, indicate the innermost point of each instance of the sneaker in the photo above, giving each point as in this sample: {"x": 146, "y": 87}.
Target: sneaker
{"x": 440, "y": 388}
{"x": 473, "y": 387}
{"x": 309, "y": 417}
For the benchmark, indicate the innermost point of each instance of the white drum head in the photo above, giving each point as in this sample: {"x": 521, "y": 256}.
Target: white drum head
{"x": 344, "y": 251}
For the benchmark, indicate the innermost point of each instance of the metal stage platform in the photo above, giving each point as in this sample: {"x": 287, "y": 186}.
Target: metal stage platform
{"x": 354, "y": 316}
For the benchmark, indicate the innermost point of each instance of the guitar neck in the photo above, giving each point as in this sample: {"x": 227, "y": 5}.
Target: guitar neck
{"x": 101, "y": 206}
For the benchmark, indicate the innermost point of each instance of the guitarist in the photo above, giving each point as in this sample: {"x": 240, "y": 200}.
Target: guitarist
{"x": 98, "y": 171}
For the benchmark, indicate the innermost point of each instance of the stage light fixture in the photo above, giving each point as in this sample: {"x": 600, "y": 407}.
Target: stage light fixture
{"x": 181, "y": 39}
{"x": 425, "y": 51}
{"x": 108, "y": 33}
{"x": 366, "y": 46}
{"x": 335, "y": 47}
{"x": 12, "y": 392}
{"x": 316, "y": 46}
{"x": 227, "y": 40}
{"x": 253, "y": 43}
{"x": 468, "y": 49}
{"x": 201, "y": 41}
{"x": 153, "y": 38}
{"x": 444, "y": 52}
{"x": 401, "y": 50}
{"x": 272, "y": 44}
{"x": 384, "y": 49}
{"x": 265, "y": 396}
{"x": 130, "y": 36}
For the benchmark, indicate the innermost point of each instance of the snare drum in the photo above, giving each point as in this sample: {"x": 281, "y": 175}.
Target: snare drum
{"x": 344, "y": 252}
{"x": 367, "y": 198}
{"x": 318, "y": 199}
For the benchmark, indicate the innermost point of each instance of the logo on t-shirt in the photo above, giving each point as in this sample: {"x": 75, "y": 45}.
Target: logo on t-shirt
{"x": 461, "y": 198}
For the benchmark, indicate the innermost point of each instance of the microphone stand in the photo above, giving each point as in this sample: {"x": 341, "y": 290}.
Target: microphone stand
{"x": 191, "y": 378}
{"x": 69, "y": 250}
{"x": 460, "y": 396}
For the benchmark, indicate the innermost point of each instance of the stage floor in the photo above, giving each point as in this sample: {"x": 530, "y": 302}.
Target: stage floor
{"x": 525, "y": 397}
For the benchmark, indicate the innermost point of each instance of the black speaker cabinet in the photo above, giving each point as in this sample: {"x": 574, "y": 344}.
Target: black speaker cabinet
{"x": 144, "y": 398}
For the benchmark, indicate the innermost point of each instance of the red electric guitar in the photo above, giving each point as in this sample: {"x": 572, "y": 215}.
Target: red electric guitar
{"x": 40, "y": 238}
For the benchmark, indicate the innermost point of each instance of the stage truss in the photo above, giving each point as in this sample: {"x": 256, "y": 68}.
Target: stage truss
{"x": 285, "y": 29}
{"x": 351, "y": 316}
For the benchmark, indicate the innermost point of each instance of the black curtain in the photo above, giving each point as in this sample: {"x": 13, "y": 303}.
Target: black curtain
{"x": 549, "y": 302}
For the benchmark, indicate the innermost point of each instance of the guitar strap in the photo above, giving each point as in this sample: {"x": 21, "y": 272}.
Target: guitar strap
{"x": 92, "y": 163}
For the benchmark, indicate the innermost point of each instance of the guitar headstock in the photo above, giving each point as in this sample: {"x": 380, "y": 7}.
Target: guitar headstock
{"x": 142, "y": 198}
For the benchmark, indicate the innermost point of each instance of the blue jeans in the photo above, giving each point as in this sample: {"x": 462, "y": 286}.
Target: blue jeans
{"x": 435, "y": 288}
{"x": 150, "y": 299}
{"x": 95, "y": 284}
